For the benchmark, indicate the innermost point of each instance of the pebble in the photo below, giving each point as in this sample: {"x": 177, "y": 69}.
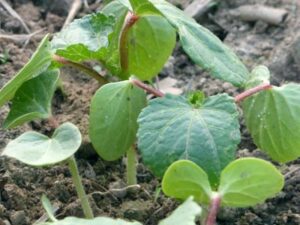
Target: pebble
{"x": 18, "y": 218}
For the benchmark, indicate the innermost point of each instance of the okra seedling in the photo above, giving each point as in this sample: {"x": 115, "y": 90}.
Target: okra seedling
{"x": 38, "y": 150}
{"x": 243, "y": 183}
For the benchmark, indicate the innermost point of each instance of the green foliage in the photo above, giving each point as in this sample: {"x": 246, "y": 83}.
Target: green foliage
{"x": 249, "y": 181}
{"x": 259, "y": 75}
{"x": 149, "y": 43}
{"x": 184, "y": 214}
{"x": 171, "y": 128}
{"x": 48, "y": 207}
{"x": 36, "y": 149}
{"x": 33, "y": 99}
{"x": 244, "y": 182}
{"x": 204, "y": 48}
{"x": 38, "y": 63}
{"x": 85, "y": 39}
{"x": 185, "y": 178}
{"x": 272, "y": 117}
{"x": 114, "y": 111}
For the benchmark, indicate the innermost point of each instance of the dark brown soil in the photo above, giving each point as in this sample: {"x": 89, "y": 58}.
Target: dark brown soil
{"x": 21, "y": 186}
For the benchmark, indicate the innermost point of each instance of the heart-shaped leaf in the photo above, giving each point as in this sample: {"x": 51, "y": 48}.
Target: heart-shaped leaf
{"x": 113, "y": 118}
{"x": 38, "y": 63}
{"x": 249, "y": 181}
{"x": 204, "y": 48}
{"x": 85, "y": 39}
{"x": 148, "y": 45}
{"x": 33, "y": 99}
{"x": 185, "y": 214}
{"x": 272, "y": 117}
{"x": 185, "y": 178}
{"x": 35, "y": 149}
{"x": 172, "y": 128}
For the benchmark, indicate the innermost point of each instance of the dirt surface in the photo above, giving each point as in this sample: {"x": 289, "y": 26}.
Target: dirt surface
{"x": 21, "y": 187}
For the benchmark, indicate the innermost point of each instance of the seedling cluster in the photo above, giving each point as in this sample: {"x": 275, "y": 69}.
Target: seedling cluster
{"x": 190, "y": 141}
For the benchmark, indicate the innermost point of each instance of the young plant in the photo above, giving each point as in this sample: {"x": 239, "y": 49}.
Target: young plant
{"x": 185, "y": 214}
{"x": 243, "y": 183}
{"x": 38, "y": 150}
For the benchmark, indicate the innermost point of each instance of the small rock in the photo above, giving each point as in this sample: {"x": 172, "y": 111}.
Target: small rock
{"x": 18, "y": 218}
{"x": 4, "y": 222}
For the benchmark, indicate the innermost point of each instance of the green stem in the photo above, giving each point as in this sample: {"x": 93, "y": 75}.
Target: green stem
{"x": 87, "y": 70}
{"x": 131, "y": 166}
{"x": 87, "y": 210}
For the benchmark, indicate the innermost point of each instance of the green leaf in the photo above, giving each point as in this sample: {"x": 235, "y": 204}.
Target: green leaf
{"x": 33, "y": 99}
{"x": 95, "y": 221}
{"x": 85, "y": 38}
{"x": 48, "y": 207}
{"x": 38, "y": 63}
{"x": 259, "y": 75}
{"x": 272, "y": 117}
{"x": 204, "y": 48}
{"x": 185, "y": 214}
{"x": 185, "y": 178}
{"x": 249, "y": 181}
{"x": 149, "y": 43}
{"x": 171, "y": 128}
{"x": 141, "y": 7}
{"x": 112, "y": 59}
{"x": 113, "y": 118}
{"x": 35, "y": 149}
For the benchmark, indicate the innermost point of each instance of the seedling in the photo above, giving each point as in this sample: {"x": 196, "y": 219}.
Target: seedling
{"x": 184, "y": 214}
{"x": 132, "y": 40}
{"x": 243, "y": 183}
{"x": 38, "y": 150}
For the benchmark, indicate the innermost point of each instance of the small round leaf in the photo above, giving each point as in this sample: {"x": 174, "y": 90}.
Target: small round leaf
{"x": 185, "y": 178}
{"x": 249, "y": 181}
{"x": 35, "y": 149}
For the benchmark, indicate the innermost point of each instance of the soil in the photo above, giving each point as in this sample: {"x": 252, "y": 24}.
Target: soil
{"x": 21, "y": 186}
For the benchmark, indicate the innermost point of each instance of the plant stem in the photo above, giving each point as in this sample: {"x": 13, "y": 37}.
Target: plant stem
{"x": 252, "y": 91}
{"x": 130, "y": 20}
{"x": 89, "y": 71}
{"x": 147, "y": 88}
{"x": 131, "y": 166}
{"x": 87, "y": 210}
{"x": 213, "y": 209}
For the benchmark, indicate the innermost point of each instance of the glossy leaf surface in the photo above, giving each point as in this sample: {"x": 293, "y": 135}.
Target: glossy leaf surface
{"x": 113, "y": 118}
{"x": 204, "y": 48}
{"x": 249, "y": 181}
{"x": 149, "y": 43}
{"x": 184, "y": 178}
{"x": 32, "y": 100}
{"x": 38, "y": 63}
{"x": 85, "y": 38}
{"x": 35, "y": 149}
{"x": 272, "y": 117}
{"x": 185, "y": 214}
{"x": 171, "y": 128}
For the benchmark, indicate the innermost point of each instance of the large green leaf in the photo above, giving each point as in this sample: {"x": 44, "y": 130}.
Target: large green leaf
{"x": 95, "y": 221}
{"x": 185, "y": 214}
{"x": 272, "y": 117}
{"x": 185, "y": 178}
{"x": 38, "y": 63}
{"x": 249, "y": 181}
{"x": 36, "y": 149}
{"x": 85, "y": 38}
{"x": 149, "y": 43}
{"x": 171, "y": 128}
{"x": 143, "y": 7}
{"x": 204, "y": 47}
{"x": 33, "y": 99}
{"x": 113, "y": 118}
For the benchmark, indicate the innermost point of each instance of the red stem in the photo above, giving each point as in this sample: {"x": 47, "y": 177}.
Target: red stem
{"x": 130, "y": 20}
{"x": 213, "y": 210}
{"x": 147, "y": 88}
{"x": 252, "y": 91}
